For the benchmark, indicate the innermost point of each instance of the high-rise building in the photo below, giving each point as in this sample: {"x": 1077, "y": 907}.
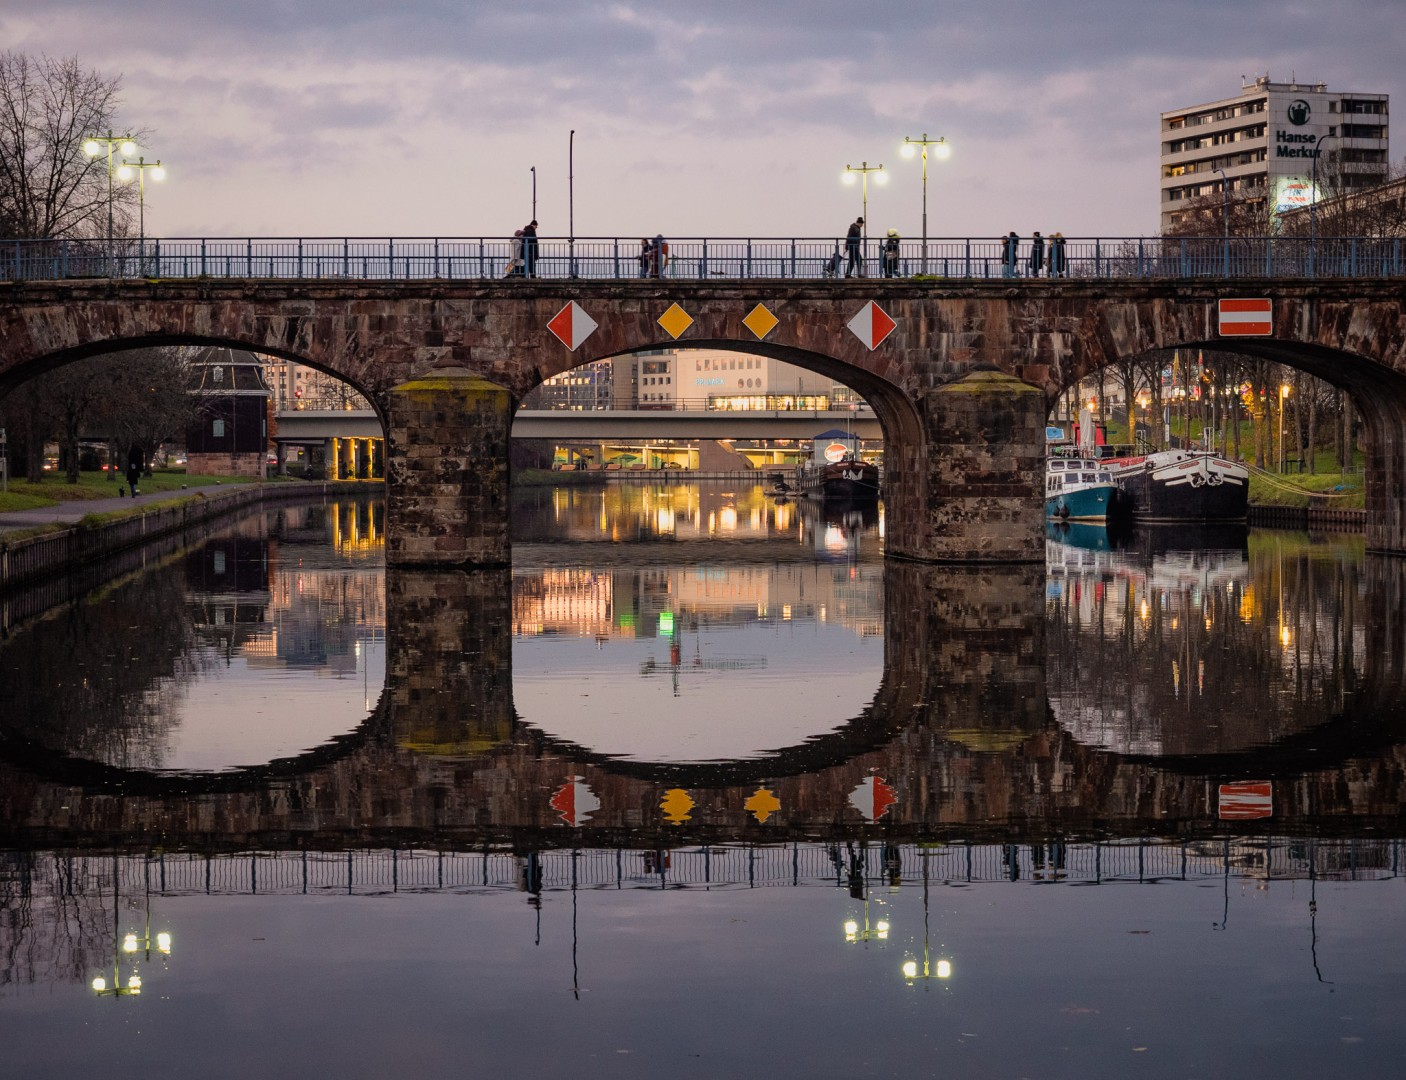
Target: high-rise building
{"x": 1263, "y": 144}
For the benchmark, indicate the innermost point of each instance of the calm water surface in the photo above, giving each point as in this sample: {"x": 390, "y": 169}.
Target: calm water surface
{"x": 684, "y": 791}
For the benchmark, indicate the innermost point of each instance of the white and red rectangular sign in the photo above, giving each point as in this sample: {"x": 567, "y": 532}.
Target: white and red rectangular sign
{"x": 1246, "y": 317}
{"x": 1245, "y": 800}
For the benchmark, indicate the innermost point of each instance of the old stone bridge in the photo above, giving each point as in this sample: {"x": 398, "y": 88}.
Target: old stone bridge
{"x": 961, "y": 381}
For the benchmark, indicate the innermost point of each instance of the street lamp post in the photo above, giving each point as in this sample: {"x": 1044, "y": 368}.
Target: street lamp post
{"x": 1283, "y": 394}
{"x": 534, "y": 194}
{"x": 1313, "y": 203}
{"x": 862, "y": 170}
{"x": 124, "y": 173}
{"x": 941, "y": 150}
{"x": 93, "y": 146}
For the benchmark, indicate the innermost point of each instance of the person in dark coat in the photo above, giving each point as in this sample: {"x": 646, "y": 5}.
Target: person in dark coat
{"x": 135, "y": 465}
{"x": 889, "y": 256}
{"x": 529, "y": 248}
{"x": 1010, "y": 253}
{"x": 646, "y": 258}
{"x": 1059, "y": 265}
{"x": 1037, "y": 254}
{"x": 854, "y": 260}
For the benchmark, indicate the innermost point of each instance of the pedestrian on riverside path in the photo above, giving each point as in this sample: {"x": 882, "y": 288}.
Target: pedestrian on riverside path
{"x": 1059, "y": 264}
{"x": 529, "y": 248}
{"x": 854, "y": 260}
{"x": 134, "y": 468}
{"x": 1010, "y": 253}
{"x": 1037, "y": 254}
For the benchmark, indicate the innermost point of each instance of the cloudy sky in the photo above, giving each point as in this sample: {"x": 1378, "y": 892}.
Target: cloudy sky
{"x": 700, "y": 118}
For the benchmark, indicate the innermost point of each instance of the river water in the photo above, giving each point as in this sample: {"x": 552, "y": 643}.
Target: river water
{"x": 705, "y": 787}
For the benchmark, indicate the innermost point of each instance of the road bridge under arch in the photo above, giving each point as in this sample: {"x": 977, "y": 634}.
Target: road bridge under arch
{"x": 961, "y": 382}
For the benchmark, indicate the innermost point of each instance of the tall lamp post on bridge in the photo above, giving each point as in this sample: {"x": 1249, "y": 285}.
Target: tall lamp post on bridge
{"x": 92, "y": 147}
{"x": 1313, "y": 203}
{"x": 140, "y": 169}
{"x": 940, "y": 150}
{"x": 862, "y": 170}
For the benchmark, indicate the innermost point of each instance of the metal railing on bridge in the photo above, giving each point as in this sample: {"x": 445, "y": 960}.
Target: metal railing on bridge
{"x": 721, "y": 866}
{"x": 698, "y": 259}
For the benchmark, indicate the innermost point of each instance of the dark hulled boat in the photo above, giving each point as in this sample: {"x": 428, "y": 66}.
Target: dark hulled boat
{"x": 836, "y": 473}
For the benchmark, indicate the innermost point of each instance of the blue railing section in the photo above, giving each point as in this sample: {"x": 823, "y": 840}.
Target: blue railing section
{"x": 698, "y": 259}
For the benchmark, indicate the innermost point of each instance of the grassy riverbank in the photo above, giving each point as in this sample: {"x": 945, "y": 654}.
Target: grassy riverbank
{"x": 100, "y": 485}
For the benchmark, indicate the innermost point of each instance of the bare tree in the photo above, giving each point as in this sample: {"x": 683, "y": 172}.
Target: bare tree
{"x": 48, "y": 186}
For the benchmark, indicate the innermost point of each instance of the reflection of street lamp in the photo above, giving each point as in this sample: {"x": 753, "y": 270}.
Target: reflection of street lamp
{"x": 124, "y": 173}
{"x": 128, "y": 945}
{"x": 93, "y": 146}
{"x": 878, "y": 932}
{"x": 1283, "y": 393}
{"x": 942, "y": 150}
{"x": 943, "y": 968}
{"x": 862, "y": 170}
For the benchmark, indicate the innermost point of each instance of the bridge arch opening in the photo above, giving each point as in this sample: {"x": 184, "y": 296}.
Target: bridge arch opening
{"x": 1276, "y": 403}
{"x": 211, "y": 405}
{"x": 763, "y": 403}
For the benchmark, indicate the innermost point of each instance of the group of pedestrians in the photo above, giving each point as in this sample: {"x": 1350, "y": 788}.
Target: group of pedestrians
{"x": 523, "y": 262}
{"x": 1035, "y": 259}
{"x": 854, "y": 255}
{"x": 654, "y": 257}
{"x": 1043, "y": 258}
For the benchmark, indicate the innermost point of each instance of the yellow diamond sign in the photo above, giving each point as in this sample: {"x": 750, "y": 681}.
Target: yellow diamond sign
{"x": 676, "y": 320}
{"x": 760, "y": 321}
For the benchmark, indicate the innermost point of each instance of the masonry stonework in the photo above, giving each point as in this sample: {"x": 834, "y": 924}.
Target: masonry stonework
{"x": 1043, "y": 334}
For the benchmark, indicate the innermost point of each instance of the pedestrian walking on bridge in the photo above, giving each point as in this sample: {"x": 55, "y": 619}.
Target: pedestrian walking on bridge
{"x": 854, "y": 259}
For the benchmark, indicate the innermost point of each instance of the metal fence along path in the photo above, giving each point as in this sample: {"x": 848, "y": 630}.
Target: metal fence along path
{"x": 698, "y": 259}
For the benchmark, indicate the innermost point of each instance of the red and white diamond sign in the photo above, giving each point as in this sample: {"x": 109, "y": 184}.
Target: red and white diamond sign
{"x": 873, "y": 797}
{"x": 575, "y": 801}
{"x": 572, "y": 325}
{"x": 1246, "y": 317}
{"x": 871, "y": 325}
{"x": 1245, "y": 800}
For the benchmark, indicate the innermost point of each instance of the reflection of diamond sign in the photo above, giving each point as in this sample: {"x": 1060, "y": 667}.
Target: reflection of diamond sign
{"x": 574, "y": 801}
{"x": 1245, "y": 800}
{"x": 762, "y": 804}
{"x": 871, "y": 325}
{"x": 873, "y": 797}
{"x": 572, "y": 325}
{"x": 676, "y": 320}
{"x": 676, "y": 806}
{"x": 760, "y": 321}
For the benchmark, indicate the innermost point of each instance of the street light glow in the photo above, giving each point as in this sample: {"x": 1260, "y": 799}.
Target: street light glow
{"x": 848, "y": 179}
{"x": 943, "y": 150}
{"x": 908, "y": 150}
{"x": 124, "y": 172}
{"x": 127, "y": 149}
{"x": 92, "y": 148}
{"x": 944, "y": 969}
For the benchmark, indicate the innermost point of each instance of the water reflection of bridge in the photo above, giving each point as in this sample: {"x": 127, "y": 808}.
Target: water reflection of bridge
{"x": 963, "y": 727}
